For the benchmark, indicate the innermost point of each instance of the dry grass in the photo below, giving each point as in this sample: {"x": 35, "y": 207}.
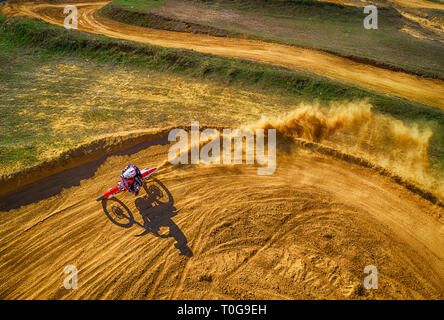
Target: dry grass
{"x": 55, "y": 99}
{"x": 52, "y": 106}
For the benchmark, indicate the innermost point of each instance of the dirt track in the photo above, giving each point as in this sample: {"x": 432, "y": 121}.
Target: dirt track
{"x": 398, "y": 84}
{"x": 305, "y": 232}
{"x": 221, "y": 232}
{"x": 419, "y": 4}
{"x": 423, "y": 4}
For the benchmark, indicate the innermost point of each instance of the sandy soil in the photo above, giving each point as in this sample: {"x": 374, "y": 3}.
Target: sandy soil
{"x": 398, "y": 84}
{"x": 344, "y": 3}
{"x": 222, "y": 232}
{"x": 419, "y": 4}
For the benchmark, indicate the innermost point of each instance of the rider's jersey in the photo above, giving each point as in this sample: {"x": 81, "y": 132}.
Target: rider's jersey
{"x": 131, "y": 178}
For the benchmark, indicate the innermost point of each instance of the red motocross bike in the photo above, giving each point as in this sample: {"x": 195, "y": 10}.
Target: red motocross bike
{"x": 111, "y": 192}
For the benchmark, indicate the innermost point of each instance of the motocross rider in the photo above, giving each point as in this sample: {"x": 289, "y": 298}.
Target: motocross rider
{"x": 131, "y": 179}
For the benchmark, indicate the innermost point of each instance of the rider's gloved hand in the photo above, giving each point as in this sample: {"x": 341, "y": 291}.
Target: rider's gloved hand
{"x": 121, "y": 186}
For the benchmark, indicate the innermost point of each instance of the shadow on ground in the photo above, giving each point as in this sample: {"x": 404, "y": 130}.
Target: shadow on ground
{"x": 54, "y": 184}
{"x": 156, "y": 208}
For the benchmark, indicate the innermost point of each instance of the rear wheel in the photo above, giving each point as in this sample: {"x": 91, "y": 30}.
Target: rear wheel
{"x": 158, "y": 193}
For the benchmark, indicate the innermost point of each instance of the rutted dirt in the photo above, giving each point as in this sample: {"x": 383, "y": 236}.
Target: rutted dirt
{"x": 222, "y": 232}
{"x": 427, "y": 91}
{"x": 419, "y": 4}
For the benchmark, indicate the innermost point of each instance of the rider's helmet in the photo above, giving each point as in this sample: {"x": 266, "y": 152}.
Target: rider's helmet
{"x": 129, "y": 173}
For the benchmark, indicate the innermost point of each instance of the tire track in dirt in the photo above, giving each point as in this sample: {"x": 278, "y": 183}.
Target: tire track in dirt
{"x": 335, "y": 216}
{"x": 319, "y": 221}
{"x": 196, "y": 248}
{"x": 286, "y": 226}
{"x": 423, "y": 4}
{"x": 427, "y": 91}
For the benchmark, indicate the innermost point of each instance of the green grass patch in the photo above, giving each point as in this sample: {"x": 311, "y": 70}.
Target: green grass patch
{"x": 138, "y": 5}
{"x": 37, "y": 42}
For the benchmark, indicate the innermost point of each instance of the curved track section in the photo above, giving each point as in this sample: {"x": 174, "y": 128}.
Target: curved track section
{"x": 427, "y": 91}
{"x": 222, "y": 232}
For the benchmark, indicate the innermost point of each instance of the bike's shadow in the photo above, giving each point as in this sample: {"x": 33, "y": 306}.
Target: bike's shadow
{"x": 156, "y": 208}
